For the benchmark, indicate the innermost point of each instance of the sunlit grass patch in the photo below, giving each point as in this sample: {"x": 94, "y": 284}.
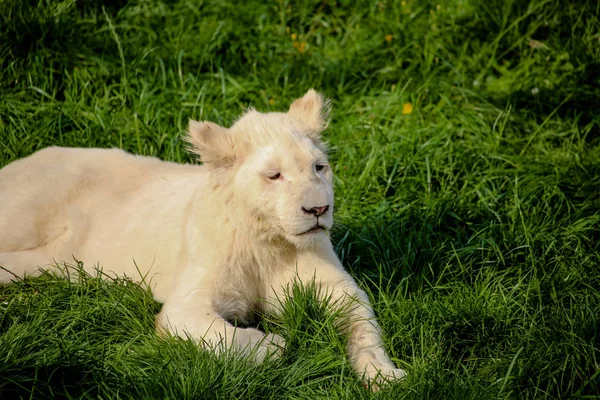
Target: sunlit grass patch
{"x": 465, "y": 142}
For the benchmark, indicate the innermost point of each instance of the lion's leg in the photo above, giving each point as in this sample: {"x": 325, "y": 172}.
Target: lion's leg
{"x": 19, "y": 264}
{"x": 199, "y": 322}
{"x": 52, "y": 240}
{"x": 365, "y": 344}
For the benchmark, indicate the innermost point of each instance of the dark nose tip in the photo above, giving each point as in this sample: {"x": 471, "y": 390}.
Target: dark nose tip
{"x": 316, "y": 211}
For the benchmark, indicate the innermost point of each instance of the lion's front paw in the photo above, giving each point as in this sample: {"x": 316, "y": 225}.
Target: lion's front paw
{"x": 261, "y": 345}
{"x": 391, "y": 372}
{"x": 380, "y": 375}
{"x": 377, "y": 373}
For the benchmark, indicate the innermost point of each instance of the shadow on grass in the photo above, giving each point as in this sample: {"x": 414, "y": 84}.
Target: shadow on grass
{"x": 52, "y": 381}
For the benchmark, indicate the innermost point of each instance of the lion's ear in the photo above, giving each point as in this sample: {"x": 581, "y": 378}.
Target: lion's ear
{"x": 313, "y": 110}
{"x": 211, "y": 142}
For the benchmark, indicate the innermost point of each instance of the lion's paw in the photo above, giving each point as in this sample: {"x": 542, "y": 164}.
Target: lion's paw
{"x": 377, "y": 374}
{"x": 261, "y": 345}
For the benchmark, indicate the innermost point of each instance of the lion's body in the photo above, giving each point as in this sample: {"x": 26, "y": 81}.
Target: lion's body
{"x": 104, "y": 207}
{"x": 213, "y": 242}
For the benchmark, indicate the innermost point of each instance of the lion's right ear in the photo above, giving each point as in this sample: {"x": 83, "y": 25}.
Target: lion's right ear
{"x": 211, "y": 142}
{"x": 312, "y": 109}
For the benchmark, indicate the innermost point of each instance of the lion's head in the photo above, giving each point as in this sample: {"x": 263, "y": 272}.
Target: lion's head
{"x": 278, "y": 167}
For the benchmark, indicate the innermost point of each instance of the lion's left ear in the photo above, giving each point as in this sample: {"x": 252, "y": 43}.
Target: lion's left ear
{"x": 313, "y": 110}
{"x": 212, "y": 143}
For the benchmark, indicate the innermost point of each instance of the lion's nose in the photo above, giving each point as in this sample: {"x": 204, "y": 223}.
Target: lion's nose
{"x": 316, "y": 211}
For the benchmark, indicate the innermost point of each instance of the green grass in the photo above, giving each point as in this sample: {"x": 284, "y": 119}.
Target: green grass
{"x": 473, "y": 221}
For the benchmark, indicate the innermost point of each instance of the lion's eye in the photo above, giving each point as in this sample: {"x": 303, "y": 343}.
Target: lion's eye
{"x": 274, "y": 176}
{"x": 319, "y": 167}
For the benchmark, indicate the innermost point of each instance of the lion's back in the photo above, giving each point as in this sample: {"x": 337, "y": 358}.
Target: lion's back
{"x": 41, "y": 188}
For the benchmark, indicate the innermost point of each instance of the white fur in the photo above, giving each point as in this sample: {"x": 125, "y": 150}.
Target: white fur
{"x": 215, "y": 241}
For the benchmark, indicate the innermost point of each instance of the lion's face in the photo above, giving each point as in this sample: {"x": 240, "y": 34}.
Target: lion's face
{"x": 289, "y": 187}
{"x": 282, "y": 177}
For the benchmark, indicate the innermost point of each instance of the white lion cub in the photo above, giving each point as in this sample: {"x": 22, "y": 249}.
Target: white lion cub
{"x": 216, "y": 241}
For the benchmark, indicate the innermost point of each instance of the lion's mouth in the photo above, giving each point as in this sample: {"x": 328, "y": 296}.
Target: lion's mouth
{"x": 314, "y": 229}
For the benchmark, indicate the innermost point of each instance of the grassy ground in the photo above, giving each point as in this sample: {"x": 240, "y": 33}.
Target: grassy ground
{"x": 472, "y": 220}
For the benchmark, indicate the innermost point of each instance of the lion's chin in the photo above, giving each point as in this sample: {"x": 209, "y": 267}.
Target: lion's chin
{"x": 315, "y": 229}
{"x": 308, "y": 238}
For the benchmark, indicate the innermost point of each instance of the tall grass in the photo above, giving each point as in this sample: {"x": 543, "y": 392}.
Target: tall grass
{"x": 472, "y": 220}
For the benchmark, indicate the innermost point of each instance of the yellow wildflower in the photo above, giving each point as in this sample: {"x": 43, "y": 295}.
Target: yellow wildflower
{"x": 407, "y": 108}
{"x": 388, "y": 38}
{"x": 294, "y": 36}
